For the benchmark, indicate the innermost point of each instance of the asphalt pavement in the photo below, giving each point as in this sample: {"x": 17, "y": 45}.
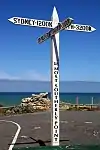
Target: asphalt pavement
{"x": 77, "y": 127}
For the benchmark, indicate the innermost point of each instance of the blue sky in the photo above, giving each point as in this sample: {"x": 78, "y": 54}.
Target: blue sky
{"x": 22, "y": 58}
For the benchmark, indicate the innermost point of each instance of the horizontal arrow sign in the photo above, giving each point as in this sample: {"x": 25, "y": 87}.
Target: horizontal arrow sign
{"x": 61, "y": 26}
{"x": 49, "y": 24}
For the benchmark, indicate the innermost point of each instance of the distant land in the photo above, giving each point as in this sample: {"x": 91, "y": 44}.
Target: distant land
{"x": 44, "y": 86}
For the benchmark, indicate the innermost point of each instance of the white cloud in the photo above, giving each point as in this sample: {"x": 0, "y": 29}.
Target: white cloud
{"x": 34, "y": 75}
{"x": 4, "y": 75}
{"x": 28, "y": 75}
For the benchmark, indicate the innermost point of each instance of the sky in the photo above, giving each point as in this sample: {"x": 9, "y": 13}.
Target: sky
{"x": 21, "y": 57}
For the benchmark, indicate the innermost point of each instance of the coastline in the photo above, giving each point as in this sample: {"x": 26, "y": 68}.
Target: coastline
{"x": 14, "y": 98}
{"x": 41, "y": 102}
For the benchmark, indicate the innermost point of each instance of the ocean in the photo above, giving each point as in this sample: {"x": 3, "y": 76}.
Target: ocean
{"x": 14, "y": 98}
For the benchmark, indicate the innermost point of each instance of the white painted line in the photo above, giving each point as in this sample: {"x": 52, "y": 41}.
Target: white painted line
{"x": 24, "y": 136}
{"x": 72, "y": 121}
{"x": 35, "y": 128}
{"x": 87, "y": 122}
{"x": 63, "y": 121}
{"x": 16, "y": 135}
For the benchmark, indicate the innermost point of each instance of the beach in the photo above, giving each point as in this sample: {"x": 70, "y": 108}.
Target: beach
{"x": 78, "y": 127}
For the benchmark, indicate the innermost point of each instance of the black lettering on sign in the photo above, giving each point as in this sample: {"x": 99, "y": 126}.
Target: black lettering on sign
{"x": 59, "y": 26}
{"x": 55, "y": 139}
{"x": 64, "y": 23}
{"x": 45, "y": 36}
{"x": 81, "y": 28}
{"x": 46, "y": 24}
{"x": 39, "y": 40}
{"x": 55, "y": 109}
{"x": 56, "y": 116}
{"x": 56, "y": 76}
{"x": 55, "y": 127}
{"x": 43, "y": 23}
{"x": 50, "y": 32}
{"x": 55, "y": 131}
{"x": 56, "y": 29}
{"x": 42, "y": 38}
{"x": 55, "y": 113}
{"x": 15, "y": 20}
{"x": 55, "y": 105}
{"x": 87, "y": 28}
{"x": 55, "y": 93}
{"x": 67, "y": 23}
{"x": 55, "y": 101}
{"x": 33, "y": 22}
{"x": 55, "y": 135}
{"x": 19, "y": 20}
{"x": 56, "y": 68}
{"x": 56, "y": 89}
{"x": 22, "y": 21}
{"x": 56, "y": 80}
{"x": 77, "y": 27}
{"x": 55, "y": 63}
{"x": 55, "y": 72}
{"x": 49, "y": 24}
{"x": 56, "y": 122}
{"x": 39, "y": 23}
{"x": 56, "y": 85}
{"x": 27, "y": 21}
{"x": 56, "y": 97}
{"x": 72, "y": 26}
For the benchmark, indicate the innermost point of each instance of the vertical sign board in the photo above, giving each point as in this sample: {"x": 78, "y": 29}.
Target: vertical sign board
{"x": 54, "y": 35}
{"x": 55, "y": 83}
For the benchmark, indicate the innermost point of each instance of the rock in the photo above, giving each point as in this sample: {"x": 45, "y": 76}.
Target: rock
{"x": 8, "y": 112}
{"x": 1, "y": 105}
{"x": 34, "y": 103}
{"x": 40, "y": 101}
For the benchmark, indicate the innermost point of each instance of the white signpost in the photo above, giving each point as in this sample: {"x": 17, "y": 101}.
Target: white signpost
{"x": 54, "y": 35}
{"x": 55, "y": 73}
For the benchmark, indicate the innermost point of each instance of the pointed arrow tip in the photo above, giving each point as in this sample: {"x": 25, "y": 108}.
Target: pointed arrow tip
{"x": 54, "y": 9}
{"x": 10, "y": 19}
{"x": 55, "y": 14}
{"x": 93, "y": 29}
{"x": 71, "y": 18}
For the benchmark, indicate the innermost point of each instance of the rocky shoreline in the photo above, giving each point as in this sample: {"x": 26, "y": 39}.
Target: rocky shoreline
{"x": 41, "y": 102}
